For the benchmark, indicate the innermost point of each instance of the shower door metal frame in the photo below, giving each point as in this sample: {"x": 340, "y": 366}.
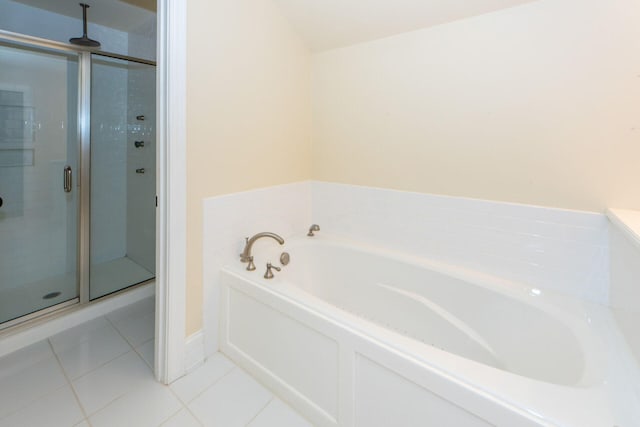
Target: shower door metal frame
{"x": 84, "y": 139}
{"x": 83, "y": 184}
{"x": 28, "y": 41}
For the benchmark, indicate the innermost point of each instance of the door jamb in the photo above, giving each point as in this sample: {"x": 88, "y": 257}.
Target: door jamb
{"x": 171, "y": 191}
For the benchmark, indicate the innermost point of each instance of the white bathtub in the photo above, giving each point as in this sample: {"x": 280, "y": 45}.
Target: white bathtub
{"x": 358, "y": 336}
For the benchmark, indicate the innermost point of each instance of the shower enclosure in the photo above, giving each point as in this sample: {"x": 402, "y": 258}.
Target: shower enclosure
{"x": 77, "y": 175}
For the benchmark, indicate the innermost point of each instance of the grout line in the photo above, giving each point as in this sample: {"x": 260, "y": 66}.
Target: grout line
{"x": 184, "y": 405}
{"x": 102, "y": 365}
{"x": 118, "y": 331}
{"x": 69, "y": 382}
{"x": 135, "y": 350}
{"x": 163, "y": 422}
{"x": 207, "y": 387}
{"x": 132, "y": 349}
{"x": 119, "y": 396}
{"x": 82, "y": 341}
{"x": 261, "y": 409}
{"x": 34, "y": 400}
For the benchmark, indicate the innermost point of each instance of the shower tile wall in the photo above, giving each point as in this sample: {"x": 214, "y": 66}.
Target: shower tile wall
{"x": 109, "y": 162}
{"x": 29, "y": 254}
{"x": 142, "y": 40}
{"x": 141, "y": 188}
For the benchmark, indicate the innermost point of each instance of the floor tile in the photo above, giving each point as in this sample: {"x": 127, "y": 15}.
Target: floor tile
{"x": 27, "y": 375}
{"x": 137, "y": 329}
{"x": 103, "y": 345}
{"x": 25, "y": 357}
{"x": 190, "y": 386}
{"x": 182, "y": 419}
{"x": 278, "y": 414}
{"x": 82, "y": 424}
{"x": 147, "y": 352}
{"x": 233, "y": 401}
{"x": 57, "y": 409}
{"x": 75, "y": 336}
{"x": 139, "y": 308}
{"x": 107, "y": 383}
{"x": 146, "y": 406}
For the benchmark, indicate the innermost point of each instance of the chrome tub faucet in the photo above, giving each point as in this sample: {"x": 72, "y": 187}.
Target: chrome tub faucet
{"x": 246, "y": 256}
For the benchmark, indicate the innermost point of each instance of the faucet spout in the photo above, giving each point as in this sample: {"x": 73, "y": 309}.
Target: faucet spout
{"x": 246, "y": 256}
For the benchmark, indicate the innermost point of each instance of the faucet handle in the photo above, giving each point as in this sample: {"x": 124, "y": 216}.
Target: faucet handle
{"x": 269, "y": 274}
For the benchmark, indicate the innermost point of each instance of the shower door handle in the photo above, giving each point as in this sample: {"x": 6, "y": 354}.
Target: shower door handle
{"x": 68, "y": 179}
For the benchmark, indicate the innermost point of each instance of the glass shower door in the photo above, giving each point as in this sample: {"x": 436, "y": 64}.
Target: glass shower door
{"x": 123, "y": 176}
{"x": 38, "y": 171}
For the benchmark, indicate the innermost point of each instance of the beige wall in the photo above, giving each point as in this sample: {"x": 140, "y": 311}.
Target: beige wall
{"x": 537, "y": 104}
{"x": 248, "y": 106}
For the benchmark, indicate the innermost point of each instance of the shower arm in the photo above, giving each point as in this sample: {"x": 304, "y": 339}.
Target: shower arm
{"x": 84, "y": 18}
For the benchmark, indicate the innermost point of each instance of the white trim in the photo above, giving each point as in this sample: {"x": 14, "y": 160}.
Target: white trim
{"x": 194, "y": 351}
{"x": 21, "y": 336}
{"x": 171, "y": 190}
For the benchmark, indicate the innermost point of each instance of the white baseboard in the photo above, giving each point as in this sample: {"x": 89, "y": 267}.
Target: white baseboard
{"x": 194, "y": 351}
{"x": 22, "y": 336}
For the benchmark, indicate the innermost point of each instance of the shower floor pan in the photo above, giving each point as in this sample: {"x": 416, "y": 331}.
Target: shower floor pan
{"x": 108, "y": 277}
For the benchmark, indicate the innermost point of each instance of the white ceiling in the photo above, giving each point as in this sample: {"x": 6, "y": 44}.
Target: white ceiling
{"x": 111, "y": 13}
{"x": 328, "y": 24}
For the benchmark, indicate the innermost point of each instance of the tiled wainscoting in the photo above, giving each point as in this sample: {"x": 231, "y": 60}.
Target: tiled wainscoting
{"x": 551, "y": 249}
{"x": 555, "y": 249}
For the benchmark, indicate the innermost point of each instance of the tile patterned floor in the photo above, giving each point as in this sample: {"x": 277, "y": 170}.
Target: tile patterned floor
{"x": 99, "y": 374}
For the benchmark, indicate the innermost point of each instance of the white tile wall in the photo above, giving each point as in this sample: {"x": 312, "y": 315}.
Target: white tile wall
{"x": 561, "y": 250}
{"x": 108, "y": 161}
{"x": 142, "y": 39}
{"x": 141, "y": 188}
{"x": 34, "y": 236}
{"x": 284, "y": 209}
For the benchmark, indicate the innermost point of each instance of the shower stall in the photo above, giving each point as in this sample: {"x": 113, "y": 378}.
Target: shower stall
{"x": 77, "y": 175}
